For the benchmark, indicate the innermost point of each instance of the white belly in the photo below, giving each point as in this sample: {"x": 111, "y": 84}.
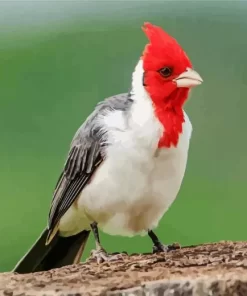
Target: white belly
{"x": 134, "y": 186}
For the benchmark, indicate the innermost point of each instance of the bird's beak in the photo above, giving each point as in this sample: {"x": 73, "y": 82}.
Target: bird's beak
{"x": 189, "y": 78}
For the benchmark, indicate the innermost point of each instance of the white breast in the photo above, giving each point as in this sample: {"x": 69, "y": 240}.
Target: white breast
{"x": 136, "y": 183}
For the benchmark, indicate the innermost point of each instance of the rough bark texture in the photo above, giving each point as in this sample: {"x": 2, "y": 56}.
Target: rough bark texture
{"x": 209, "y": 269}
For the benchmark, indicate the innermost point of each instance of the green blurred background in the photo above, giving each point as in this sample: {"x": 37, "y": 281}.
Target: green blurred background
{"x": 58, "y": 58}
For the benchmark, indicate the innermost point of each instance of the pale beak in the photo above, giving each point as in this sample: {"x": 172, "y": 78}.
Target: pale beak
{"x": 189, "y": 78}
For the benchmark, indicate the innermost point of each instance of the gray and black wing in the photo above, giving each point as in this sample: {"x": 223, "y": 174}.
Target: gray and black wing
{"x": 79, "y": 168}
{"x": 86, "y": 154}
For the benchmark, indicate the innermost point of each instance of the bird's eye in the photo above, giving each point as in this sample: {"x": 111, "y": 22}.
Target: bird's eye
{"x": 165, "y": 72}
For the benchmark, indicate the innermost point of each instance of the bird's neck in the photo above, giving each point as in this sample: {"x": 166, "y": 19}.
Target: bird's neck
{"x": 172, "y": 120}
{"x": 171, "y": 115}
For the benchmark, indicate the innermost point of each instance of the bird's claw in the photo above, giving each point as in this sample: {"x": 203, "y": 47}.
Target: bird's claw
{"x": 159, "y": 248}
{"x": 102, "y": 256}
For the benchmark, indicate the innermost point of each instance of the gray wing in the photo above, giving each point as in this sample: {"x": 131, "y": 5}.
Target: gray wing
{"x": 85, "y": 155}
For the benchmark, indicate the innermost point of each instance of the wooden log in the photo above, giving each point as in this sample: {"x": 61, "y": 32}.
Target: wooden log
{"x": 203, "y": 270}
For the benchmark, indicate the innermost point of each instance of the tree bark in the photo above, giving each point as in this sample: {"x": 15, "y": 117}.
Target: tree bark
{"x": 204, "y": 270}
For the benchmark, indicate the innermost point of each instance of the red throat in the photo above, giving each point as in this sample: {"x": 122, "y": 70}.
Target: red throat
{"x": 171, "y": 116}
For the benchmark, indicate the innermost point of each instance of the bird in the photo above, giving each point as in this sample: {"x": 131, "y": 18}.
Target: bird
{"x": 126, "y": 162}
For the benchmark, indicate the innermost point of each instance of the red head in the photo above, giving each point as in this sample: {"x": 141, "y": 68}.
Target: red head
{"x": 166, "y": 67}
{"x": 168, "y": 76}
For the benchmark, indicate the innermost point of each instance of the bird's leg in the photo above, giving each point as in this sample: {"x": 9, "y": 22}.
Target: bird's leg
{"x": 99, "y": 253}
{"x": 95, "y": 230}
{"x": 158, "y": 246}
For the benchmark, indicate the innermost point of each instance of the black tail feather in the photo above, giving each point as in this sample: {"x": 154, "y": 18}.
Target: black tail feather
{"x": 60, "y": 252}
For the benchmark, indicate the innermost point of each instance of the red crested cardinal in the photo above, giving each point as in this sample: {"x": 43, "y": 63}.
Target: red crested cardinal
{"x": 126, "y": 162}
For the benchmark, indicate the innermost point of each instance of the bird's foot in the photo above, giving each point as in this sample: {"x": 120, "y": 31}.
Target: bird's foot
{"x": 102, "y": 256}
{"x": 159, "y": 248}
